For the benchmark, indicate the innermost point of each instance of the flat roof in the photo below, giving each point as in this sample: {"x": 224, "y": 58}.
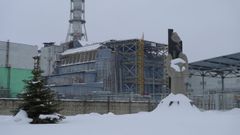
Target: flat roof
{"x": 229, "y": 63}
{"x": 82, "y": 49}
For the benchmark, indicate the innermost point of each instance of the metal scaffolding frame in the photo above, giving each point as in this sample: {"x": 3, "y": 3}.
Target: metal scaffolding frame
{"x": 114, "y": 69}
{"x": 227, "y": 66}
{"x": 127, "y": 64}
{"x": 77, "y": 29}
{"x": 140, "y": 66}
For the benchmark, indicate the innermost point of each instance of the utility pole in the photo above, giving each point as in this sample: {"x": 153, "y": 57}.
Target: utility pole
{"x": 7, "y": 64}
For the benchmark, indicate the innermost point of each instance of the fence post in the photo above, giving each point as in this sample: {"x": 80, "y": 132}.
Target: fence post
{"x": 149, "y": 105}
{"x": 108, "y": 104}
{"x": 129, "y": 105}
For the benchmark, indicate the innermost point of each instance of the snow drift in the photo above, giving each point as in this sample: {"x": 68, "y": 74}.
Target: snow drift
{"x": 179, "y": 118}
{"x": 175, "y": 103}
{"x": 22, "y": 117}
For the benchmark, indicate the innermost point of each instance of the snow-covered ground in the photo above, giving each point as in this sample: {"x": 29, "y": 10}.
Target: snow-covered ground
{"x": 181, "y": 118}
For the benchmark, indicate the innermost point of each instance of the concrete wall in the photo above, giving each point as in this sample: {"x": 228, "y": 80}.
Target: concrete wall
{"x": 84, "y": 107}
{"x": 20, "y": 55}
{"x": 48, "y": 58}
{"x": 16, "y": 77}
{"x": 17, "y": 68}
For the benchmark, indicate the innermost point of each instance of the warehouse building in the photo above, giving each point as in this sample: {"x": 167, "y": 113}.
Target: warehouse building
{"x": 16, "y": 64}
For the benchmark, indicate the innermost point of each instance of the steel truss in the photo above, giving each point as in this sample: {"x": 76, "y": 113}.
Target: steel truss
{"x": 126, "y": 65}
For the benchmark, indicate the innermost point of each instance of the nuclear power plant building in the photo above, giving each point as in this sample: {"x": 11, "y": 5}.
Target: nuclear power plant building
{"x": 113, "y": 67}
{"x": 16, "y": 64}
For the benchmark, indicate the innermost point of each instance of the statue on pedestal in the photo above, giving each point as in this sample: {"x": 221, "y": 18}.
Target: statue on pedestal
{"x": 177, "y": 78}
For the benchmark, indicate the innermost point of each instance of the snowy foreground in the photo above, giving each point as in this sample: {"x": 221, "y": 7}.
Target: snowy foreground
{"x": 181, "y": 118}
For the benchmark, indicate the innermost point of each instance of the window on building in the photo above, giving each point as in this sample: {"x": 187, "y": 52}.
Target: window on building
{"x": 84, "y": 56}
{"x": 94, "y": 55}
{"x": 87, "y": 56}
{"x": 68, "y": 59}
{"x": 75, "y": 58}
{"x": 78, "y": 57}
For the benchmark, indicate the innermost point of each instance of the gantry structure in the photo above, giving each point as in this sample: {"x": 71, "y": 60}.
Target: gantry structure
{"x": 140, "y": 66}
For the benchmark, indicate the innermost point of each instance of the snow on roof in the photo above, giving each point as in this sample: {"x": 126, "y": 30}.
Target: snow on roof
{"x": 84, "y": 43}
{"x": 82, "y": 49}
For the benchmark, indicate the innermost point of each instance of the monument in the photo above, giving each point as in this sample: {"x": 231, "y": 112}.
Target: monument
{"x": 177, "y": 78}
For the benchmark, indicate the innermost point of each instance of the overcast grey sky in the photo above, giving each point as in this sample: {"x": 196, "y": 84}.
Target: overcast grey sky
{"x": 208, "y": 28}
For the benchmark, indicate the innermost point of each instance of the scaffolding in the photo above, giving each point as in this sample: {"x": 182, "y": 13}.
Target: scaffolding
{"x": 220, "y": 67}
{"x": 77, "y": 28}
{"x": 140, "y": 66}
{"x": 117, "y": 67}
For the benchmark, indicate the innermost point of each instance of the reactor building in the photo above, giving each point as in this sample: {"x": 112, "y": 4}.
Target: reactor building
{"x": 134, "y": 66}
{"x": 131, "y": 66}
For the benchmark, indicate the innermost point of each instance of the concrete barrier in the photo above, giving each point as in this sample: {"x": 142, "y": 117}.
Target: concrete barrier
{"x": 73, "y": 107}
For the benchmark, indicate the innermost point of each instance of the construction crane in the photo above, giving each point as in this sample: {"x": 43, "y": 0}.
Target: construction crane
{"x": 140, "y": 65}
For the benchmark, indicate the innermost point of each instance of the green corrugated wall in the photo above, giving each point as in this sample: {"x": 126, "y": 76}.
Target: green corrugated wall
{"x": 16, "y": 79}
{"x": 3, "y": 77}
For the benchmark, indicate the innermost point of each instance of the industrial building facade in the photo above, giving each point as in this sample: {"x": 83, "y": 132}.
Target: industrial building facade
{"x": 215, "y": 82}
{"x": 112, "y": 67}
{"x": 116, "y": 68}
{"x": 16, "y": 64}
